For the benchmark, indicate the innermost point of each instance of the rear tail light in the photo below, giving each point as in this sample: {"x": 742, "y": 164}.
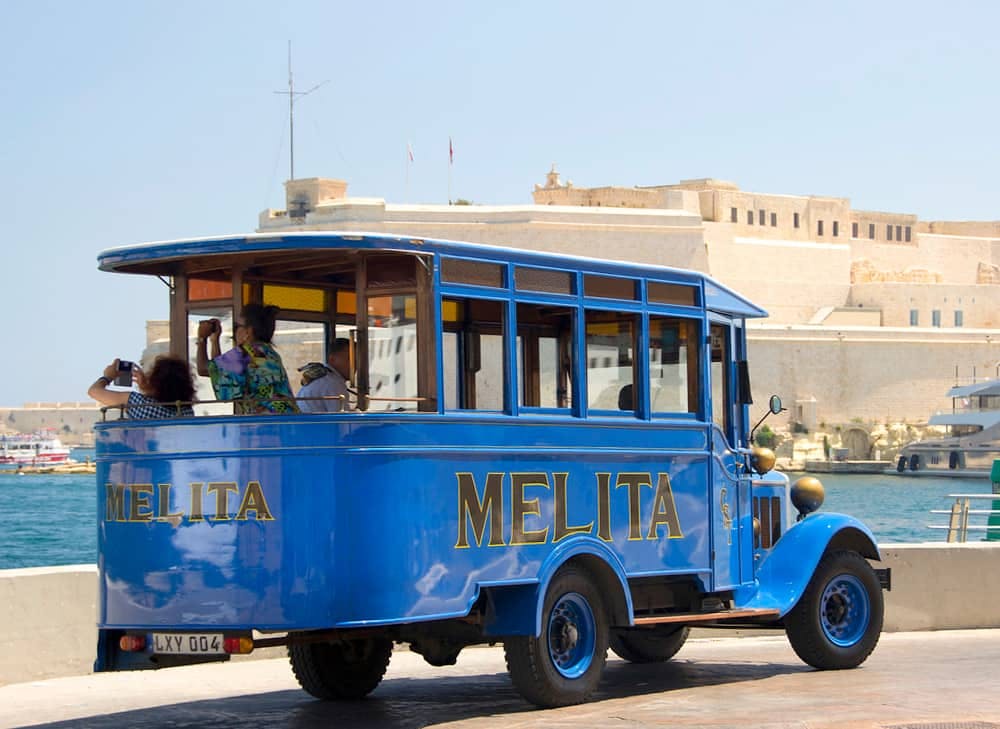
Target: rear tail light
{"x": 237, "y": 645}
{"x": 132, "y": 643}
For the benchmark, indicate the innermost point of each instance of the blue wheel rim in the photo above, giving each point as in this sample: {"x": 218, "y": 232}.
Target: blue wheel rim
{"x": 845, "y": 610}
{"x": 571, "y": 635}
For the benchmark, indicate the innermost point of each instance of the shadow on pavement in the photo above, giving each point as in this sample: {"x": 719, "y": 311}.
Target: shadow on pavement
{"x": 419, "y": 702}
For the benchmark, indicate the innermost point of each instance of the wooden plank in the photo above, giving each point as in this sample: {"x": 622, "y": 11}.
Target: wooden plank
{"x": 708, "y": 617}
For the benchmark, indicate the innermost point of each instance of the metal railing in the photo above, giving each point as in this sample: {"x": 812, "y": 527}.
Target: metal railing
{"x": 244, "y": 406}
{"x": 958, "y": 525}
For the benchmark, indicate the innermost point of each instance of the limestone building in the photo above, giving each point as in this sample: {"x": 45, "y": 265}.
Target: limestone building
{"x": 873, "y": 314}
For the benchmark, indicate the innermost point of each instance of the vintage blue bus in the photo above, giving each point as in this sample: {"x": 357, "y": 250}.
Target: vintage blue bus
{"x": 544, "y": 451}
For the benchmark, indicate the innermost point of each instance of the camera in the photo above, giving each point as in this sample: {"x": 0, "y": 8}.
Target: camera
{"x": 124, "y": 378}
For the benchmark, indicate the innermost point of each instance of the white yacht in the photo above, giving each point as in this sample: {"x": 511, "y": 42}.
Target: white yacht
{"x": 973, "y": 442}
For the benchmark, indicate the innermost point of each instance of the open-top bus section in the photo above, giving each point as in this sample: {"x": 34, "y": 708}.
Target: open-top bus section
{"x": 543, "y": 450}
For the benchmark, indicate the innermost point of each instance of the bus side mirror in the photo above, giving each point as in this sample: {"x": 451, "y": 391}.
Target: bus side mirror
{"x": 743, "y": 382}
{"x": 774, "y": 404}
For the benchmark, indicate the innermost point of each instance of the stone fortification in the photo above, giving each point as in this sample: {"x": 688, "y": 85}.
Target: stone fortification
{"x": 877, "y": 310}
{"x": 72, "y": 422}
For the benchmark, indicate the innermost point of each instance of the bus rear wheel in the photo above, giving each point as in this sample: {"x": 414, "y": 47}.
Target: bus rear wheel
{"x": 563, "y": 665}
{"x": 348, "y": 669}
{"x": 837, "y": 621}
{"x": 648, "y": 646}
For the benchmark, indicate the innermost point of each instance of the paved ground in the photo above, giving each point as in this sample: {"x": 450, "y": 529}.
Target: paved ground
{"x": 943, "y": 680}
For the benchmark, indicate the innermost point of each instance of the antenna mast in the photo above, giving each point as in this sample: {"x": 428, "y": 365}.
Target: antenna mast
{"x": 292, "y": 93}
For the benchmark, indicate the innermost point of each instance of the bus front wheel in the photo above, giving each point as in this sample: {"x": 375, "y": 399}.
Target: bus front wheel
{"x": 563, "y": 665}
{"x": 349, "y": 669}
{"x": 837, "y": 621}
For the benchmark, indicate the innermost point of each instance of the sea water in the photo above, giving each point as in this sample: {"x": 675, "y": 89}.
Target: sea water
{"x": 52, "y": 519}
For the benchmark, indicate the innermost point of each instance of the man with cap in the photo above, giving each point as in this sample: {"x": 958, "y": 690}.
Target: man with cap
{"x": 329, "y": 381}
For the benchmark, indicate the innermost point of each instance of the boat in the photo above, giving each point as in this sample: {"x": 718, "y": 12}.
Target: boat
{"x": 34, "y": 449}
{"x": 973, "y": 440}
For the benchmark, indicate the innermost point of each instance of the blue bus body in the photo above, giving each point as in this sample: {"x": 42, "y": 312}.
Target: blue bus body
{"x": 444, "y": 524}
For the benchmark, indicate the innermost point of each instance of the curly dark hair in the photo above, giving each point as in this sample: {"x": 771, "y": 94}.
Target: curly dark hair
{"x": 170, "y": 379}
{"x": 261, "y": 319}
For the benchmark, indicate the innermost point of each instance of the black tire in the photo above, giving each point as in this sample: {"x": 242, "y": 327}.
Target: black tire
{"x": 563, "y": 665}
{"x": 838, "y": 620}
{"x": 349, "y": 669}
{"x": 648, "y": 646}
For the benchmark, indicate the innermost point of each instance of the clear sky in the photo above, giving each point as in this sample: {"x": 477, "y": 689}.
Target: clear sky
{"x": 125, "y": 122}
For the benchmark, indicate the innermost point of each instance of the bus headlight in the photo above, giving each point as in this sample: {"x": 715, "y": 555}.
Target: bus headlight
{"x": 807, "y": 495}
{"x": 762, "y": 459}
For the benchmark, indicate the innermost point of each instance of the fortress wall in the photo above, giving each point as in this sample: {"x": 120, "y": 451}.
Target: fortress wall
{"x": 771, "y": 272}
{"x": 72, "y": 422}
{"x": 664, "y": 237}
{"x": 50, "y": 626}
{"x": 979, "y": 304}
{"x": 873, "y": 374}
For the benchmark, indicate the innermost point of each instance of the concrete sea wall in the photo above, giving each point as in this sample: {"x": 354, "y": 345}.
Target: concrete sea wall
{"x": 49, "y": 626}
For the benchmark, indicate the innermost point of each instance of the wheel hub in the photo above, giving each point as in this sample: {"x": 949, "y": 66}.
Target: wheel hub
{"x": 845, "y": 610}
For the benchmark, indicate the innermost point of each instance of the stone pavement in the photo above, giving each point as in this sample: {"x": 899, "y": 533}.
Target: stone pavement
{"x": 937, "y": 680}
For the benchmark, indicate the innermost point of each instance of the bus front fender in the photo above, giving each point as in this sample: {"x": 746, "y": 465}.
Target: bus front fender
{"x": 784, "y": 573}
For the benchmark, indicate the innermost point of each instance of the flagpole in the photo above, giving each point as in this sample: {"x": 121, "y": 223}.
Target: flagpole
{"x": 451, "y": 160}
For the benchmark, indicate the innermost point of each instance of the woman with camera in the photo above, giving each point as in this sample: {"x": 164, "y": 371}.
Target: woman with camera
{"x": 166, "y": 392}
{"x": 251, "y": 373}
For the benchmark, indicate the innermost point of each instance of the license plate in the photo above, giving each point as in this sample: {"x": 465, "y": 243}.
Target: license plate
{"x": 188, "y": 643}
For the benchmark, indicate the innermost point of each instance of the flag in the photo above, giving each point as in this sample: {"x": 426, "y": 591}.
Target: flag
{"x": 409, "y": 151}
{"x": 451, "y": 152}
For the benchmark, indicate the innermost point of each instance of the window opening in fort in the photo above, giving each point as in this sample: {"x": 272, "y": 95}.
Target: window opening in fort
{"x": 914, "y": 318}
{"x": 935, "y": 317}
{"x": 774, "y": 220}
{"x": 819, "y": 227}
{"x": 545, "y": 346}
{"x": 673, "y": 365}
{"x": 907, "y": 234}
{"x": 795, "y": 220}
{"x": 473, "y": 354}
{"x": 760, "y": 217}
{"x": 854, "y": 230}
{"x": 734, "y": 215}
{"x": 899, "y": 232}
{"x": 836, "y": 228}
{"x": 749, "y": 217}
{"x": 871, "y": 231}
{"x": 959, "y": 317}
{"x": 888, "y": 232}
{"x": 611, "y": 338}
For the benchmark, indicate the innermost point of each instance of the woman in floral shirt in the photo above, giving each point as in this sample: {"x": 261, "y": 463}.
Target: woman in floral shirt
{"x": 251, "y": 373}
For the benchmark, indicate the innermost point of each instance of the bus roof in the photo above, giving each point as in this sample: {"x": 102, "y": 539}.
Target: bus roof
{"x": 167, "y": 258}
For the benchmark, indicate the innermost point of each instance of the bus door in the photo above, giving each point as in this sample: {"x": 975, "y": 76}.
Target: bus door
{"x": 730, "y": 481}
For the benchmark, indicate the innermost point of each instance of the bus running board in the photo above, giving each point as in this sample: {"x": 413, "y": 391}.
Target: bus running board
{"x": 709, "y": 617}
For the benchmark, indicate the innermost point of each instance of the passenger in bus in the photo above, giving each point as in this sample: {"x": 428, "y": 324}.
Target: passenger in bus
{"x": 327, "y": 381}
{"x": 166, "y": 392}
{"x": 251, "y": 373}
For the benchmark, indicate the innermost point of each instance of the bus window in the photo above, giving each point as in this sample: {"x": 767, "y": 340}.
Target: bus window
{"x": 673, "y": 365}
{"x": 392, "y": 375}
{"x": 203, "y": 391}
{"x": 299, "y": 343}
{"x": 474, "y": 354}
{"x": 544, "y": 347}
{"x": 610, "y": 360}
{"x": 720, "y": 377}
